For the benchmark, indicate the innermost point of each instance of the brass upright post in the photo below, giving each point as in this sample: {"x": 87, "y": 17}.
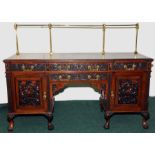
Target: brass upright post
{"x": 103, "y": 47}
{"x": 50, "y": 35}
{"x": 17, "y": 46}
{"x": 136, "y": 43}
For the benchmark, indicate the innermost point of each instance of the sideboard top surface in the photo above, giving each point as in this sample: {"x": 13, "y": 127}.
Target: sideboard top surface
{"x": 76, "y": 56}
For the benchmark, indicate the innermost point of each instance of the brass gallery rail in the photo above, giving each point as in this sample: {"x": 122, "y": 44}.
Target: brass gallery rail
{"x": 103, "y": 27}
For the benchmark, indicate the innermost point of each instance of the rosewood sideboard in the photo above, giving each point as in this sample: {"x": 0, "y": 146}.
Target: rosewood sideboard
{"x": 122, "y": 79}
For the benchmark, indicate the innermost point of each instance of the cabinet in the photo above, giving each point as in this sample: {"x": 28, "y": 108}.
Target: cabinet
{"x": 121, "y": 80}
{"x": 30, "y": 93}
{"x": 126, "y": 93}
{"x": 129, "y": 94}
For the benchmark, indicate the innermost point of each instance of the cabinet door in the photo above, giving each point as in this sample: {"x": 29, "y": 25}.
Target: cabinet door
{"x": 30, "y": 94}
{"x": 126, "y": 94}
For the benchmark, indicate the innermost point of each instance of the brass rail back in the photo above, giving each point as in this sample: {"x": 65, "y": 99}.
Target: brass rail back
{"x": 52, "y": 26}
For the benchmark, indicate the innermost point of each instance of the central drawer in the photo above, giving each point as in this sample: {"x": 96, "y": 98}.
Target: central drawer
{"x": 77, "y": 67}
{"x": 79, "y": 76}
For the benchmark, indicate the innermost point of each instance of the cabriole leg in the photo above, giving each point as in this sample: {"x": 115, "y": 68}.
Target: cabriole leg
{"x": 101, "y": 104}
{"x": 50, "y": 118}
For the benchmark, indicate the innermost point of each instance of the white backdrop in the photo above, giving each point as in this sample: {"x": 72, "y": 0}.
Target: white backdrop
{"x": 37, "y": 40}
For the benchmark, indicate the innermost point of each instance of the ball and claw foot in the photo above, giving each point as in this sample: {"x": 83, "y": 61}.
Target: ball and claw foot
{"x": 107, "y": 118}
{"x": 11, "y": 125}
{"x": 107, "y": 125}
{"x": 50, "y": 126}
{"x": 146, "y": 116}
{"x": 50, "y": 118}
{"x": 11, "y": 122}
{"x": 145, "y": 124}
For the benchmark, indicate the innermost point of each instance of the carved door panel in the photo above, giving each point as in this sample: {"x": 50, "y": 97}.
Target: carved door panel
{"x": 126, "y": 94}
{"x": 30, "y": 93}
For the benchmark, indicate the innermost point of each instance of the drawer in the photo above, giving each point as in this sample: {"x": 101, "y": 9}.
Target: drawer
{"x": 129, "y": 66}
{"x": 80, "y": 76}
{"x": 26, "y": 67}
{"x": 77, "y": 67}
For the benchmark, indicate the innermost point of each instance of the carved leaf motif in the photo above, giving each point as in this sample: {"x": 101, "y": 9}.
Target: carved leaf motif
{"x": 127, "y": 91}
{"x": 29, "y": 92}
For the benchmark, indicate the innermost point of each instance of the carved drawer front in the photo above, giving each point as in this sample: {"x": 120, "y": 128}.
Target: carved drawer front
{"x": 77, "y": 67}
{"x": 130, "y": 66}
{"x": 26, "y": 67}
{"x": 30, "y": 93}
{"x": 82, "y": 76}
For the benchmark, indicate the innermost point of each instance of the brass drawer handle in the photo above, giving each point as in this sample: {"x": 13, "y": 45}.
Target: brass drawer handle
{"x": 60, "y": 77}
{"x": 89, "y": 77}
{"x": 89, "y": 67}
{"x": 132, "y": 68}
{"x": 23, "y": 67}
{"x": 125, "y": 67}
{"x": 112, "y": 94}
{"x": 44, "y": 95}
{"x": 32, "y": 67}
{"x": 27, "y": 69}
{"x": 68, "y": 67}
{"x": 59, "y": 67}
{"x": 69, "y": 77}
{"x": 97, "y": 67}
{"x": 97, "y": 77}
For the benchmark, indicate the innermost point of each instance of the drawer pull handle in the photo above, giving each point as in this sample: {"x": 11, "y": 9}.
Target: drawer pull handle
{"x": 23, "y": 67}
{"x": 44, "y": 96}
{"x": 27, "y": 69}
{"x": 112, "y": 94}
{"x": 68, "y": 67}
{"x": 97, "y": 67}
{"x": 60, "y": 77}
{"x": 132, "y": 68}
{"x": 125, "y": 67}
{"x": 69, "y": 77}
{"x": 89, "y": 67}
{"x": 89, "y": 77}
{"x": 59, "y": 67}
{"x": 93, "y": 68}
{"x": 97, "y": 77}
{"x": 32, "y": 67}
